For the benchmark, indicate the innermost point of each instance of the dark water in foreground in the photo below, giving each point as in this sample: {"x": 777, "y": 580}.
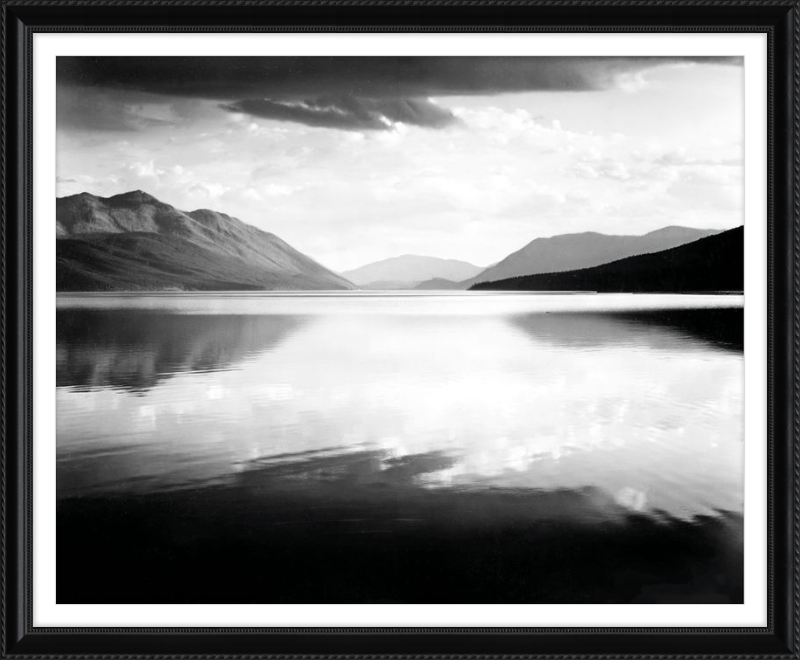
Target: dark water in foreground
{"x": 399, "y": 449}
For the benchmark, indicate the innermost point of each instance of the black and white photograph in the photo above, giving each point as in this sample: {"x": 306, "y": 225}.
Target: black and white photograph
{"x": 399, "y": 330}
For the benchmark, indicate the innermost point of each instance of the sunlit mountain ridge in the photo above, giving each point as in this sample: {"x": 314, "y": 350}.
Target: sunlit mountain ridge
{"x": 133, "y": 241}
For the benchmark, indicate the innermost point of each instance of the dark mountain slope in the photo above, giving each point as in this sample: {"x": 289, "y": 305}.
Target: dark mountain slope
{"x": 574, "y": 251}
{"x": 714, "y": 263}
{"x": 135, "y": 242}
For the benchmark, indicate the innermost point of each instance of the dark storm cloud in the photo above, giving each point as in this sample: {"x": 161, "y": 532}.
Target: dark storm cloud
{"x": 351, "y": 92}
{"x": 92, "y": 110}
{"x": 108, "y": 109}
{"x": 349, "y": 113}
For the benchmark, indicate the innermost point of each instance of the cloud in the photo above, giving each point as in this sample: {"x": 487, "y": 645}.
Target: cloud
{"x": 608, "y": 168}
{"x": 230, "y": 78}
{"x": 105, "y": 109}
{"x": 349, "y": 113}
{"x": 353, "y": 93}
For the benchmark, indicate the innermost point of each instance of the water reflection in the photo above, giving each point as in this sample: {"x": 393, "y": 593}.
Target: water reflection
{"x": 655, "y": 329}
{"x": 422, "y": 420}
{"x": 136, "y": 350}
{"x": 641, "y": 409}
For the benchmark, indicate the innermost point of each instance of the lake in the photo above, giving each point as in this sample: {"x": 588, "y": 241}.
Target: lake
{"x": 399, "y": 448}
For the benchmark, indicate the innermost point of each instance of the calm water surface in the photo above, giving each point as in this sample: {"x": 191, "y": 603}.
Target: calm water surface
{"x": 424, "y": 409}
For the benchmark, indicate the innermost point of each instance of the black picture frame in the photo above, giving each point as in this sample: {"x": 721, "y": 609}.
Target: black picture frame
{"x": 779, "y": 19}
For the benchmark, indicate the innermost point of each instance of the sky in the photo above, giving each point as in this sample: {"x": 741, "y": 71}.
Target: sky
{"x": 356, "y": 159}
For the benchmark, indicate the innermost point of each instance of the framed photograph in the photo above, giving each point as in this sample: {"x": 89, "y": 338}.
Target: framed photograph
{"x": 400, "y": 329}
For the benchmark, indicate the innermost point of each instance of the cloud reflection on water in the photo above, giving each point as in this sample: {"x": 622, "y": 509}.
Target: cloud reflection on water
{"x": 646, "y": 411}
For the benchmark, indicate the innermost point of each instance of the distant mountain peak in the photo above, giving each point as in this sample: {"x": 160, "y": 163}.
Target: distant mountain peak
{"x": 135, "y": 197}
{"x": 407, "y": 270}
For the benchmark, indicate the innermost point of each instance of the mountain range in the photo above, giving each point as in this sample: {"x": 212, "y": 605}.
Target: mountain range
{"x": 572, "y": 251}
{"x": 408, "y": 270}
{"x": 712, "y": 263}
{"x": 133, "y": 241}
